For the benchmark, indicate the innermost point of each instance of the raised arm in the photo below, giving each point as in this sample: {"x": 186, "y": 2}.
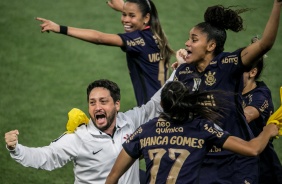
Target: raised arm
{"x": 256, "y": 50}
{"x": 88, "y": 35}
{"x": 116, "y": 4}
{"x": 141, "y": 115}
{"x": 122, "y": 164}
{"x": 254, "y": 146}
{"x": 50, "y": 157}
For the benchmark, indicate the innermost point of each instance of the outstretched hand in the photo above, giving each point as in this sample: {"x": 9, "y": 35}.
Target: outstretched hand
{"x": 11, "y": 139}
{"x": 116, "y": 4}
{"x": 48, "y": 25}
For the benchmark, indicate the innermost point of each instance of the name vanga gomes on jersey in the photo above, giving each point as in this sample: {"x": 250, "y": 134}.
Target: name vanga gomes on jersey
{"x": 163, "y": 127}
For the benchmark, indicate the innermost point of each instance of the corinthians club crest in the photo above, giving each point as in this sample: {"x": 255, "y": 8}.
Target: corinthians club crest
{"x": 210, "y": 79}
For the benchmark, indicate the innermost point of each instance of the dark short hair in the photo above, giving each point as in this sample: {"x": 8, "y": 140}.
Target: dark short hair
{"x": 107, "y": 84}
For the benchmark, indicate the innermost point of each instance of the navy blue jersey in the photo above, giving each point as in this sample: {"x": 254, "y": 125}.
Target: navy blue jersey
{"x": 225, "y": 72}
{"x": 147, "y": 69}
{"x": 259, "y": 98}
{"x": 270, "y": 166}
{"x": 173, "y": 152}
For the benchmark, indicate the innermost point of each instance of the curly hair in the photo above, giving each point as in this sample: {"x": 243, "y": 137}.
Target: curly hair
{"x": 217, "y": 20}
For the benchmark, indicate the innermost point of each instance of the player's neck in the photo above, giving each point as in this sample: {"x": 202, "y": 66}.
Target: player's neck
{"x": 249, "y": 87}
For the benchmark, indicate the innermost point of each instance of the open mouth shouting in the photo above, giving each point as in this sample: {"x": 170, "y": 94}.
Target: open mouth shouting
{"x": 188, "y": 53}
{"x": 100, "y": 118}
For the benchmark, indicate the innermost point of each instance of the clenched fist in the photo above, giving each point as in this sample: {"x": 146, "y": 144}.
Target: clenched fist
{"x": 11, "y": 139}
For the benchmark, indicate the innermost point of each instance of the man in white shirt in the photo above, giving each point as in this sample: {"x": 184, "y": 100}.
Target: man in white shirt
{"x": 93, "y": 147}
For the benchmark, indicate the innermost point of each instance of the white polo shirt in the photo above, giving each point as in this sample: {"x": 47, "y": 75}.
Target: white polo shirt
{"x": 92, "y": 151}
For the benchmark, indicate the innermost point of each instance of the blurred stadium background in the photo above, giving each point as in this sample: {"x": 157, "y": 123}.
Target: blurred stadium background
{"x": 43, "y": 76}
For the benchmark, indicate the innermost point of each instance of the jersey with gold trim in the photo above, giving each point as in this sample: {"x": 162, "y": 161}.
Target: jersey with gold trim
{"x": 259, "y": 98}
{"x": 174, "y": 151}
{"x": 146, "y": 68}
{"x": 225, "y": 72}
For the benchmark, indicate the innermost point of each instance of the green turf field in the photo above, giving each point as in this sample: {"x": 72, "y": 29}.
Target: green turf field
{"x": 43, "y": 76}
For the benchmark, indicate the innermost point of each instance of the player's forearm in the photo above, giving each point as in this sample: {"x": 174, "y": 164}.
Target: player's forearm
{"x": 122, "y": 164}
{"x": 247, "y": 148}
{"x": 112, "y": 179}
{"x": 259, "y": 143}
{"x": 271, "y": 28}
{"x": 251, "y": 53}
{"x": 88, "y": 35}
{"x": 116, "y": 4}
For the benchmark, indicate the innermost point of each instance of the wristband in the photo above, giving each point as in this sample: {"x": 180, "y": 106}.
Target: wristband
{"x": 64, "y": 30}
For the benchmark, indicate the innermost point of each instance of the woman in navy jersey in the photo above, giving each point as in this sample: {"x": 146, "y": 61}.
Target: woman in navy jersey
{"x": 258, "y": 106}
{"x": 175, "y": 143}
{"x": 207, "y": 67}
{"x": 144, "y": 41}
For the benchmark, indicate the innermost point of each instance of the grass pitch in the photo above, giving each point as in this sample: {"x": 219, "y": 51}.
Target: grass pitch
{"x": 43, "y": 76}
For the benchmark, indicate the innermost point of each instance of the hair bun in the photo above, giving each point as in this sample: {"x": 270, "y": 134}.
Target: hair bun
{"x": 224, "y": 18}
